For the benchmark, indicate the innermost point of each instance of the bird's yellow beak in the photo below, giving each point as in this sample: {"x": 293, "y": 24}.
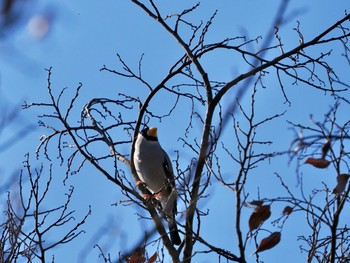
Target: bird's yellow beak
{"x": 152, "y": 132}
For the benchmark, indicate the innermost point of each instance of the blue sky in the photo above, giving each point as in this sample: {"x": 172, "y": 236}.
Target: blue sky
{"x": 85, "y": 35}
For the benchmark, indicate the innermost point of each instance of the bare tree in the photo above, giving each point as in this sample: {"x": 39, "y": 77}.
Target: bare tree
{"x": 217, "y": 137}
{"x": 29, "y": 220}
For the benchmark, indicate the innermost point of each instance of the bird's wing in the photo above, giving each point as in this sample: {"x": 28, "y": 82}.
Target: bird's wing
{"x": 168, "y": 170}
{"x": 171, "y": 187}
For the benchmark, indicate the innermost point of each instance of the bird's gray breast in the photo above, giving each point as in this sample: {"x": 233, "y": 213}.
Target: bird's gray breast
{"x": 149, "y": 159}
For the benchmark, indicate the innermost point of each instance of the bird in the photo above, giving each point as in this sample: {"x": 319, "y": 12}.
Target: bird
{"x": 154, "y": 169}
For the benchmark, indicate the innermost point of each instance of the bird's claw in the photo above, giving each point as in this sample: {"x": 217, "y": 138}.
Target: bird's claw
{"x": 148, "y": 197}
{"x": 139, "y": 183}
{"x": 157, "y": 196}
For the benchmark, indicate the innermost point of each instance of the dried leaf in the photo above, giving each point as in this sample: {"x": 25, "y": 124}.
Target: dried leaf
{"x": 138, "y": 256}
{"x": 269, "y": 242}
{"x": 318, "y": 163}
{"x": 260, "y": 214}
{"x": 153, "y": 258}
{"x": 342, "y": 181}
{"x": 287, "y": 210}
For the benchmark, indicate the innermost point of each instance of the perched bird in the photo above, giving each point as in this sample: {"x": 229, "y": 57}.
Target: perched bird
{"x": 155, "y": 171}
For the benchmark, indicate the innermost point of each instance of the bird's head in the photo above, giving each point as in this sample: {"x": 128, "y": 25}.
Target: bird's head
{"x": 150, "y": 133}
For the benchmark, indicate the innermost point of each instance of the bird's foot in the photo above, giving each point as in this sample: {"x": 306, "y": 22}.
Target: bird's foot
{"x": 148, "y": 197}
{"x": 157, "y": 196}
{"x": 139, "y": 183}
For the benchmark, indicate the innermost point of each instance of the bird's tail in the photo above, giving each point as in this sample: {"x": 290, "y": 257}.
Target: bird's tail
{"x": 174, "y": 232}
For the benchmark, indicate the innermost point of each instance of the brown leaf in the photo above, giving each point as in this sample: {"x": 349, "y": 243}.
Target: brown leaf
{"x": 342, "y": 181}
{"x": 269, "y": 242}
{"x": 287, "y": 210}
{"x": 138, "y": 256}
{"x": 153, "y": 258}
{"x": 318, "y": 163}
{"x": 260, "y": 214}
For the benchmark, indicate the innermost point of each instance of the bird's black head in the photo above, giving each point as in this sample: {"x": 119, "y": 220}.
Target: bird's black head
{"x": 150, "y": 133}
